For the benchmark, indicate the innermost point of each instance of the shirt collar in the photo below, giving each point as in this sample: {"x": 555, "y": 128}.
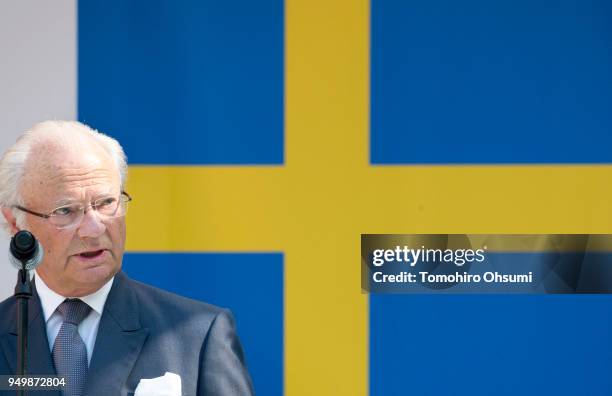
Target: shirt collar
{"x": 50, "y": 300}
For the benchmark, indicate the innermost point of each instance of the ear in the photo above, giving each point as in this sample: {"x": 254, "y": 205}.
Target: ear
{"x": 10, "y": 219}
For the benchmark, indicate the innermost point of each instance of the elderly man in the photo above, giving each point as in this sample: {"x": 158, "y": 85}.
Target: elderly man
{"x": 89, "y": 322}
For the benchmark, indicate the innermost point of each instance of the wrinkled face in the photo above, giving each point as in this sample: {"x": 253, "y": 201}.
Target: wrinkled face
{"x": 80, "y": 259}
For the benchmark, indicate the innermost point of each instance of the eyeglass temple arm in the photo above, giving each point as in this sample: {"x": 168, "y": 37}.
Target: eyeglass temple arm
{"x": 44, "y": 216}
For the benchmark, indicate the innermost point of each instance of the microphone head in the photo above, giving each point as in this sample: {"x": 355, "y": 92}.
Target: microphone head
{"x": 26, "y": 249}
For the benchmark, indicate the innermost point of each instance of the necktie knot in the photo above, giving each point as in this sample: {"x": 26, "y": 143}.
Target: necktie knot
{"x": 74, "y": 310}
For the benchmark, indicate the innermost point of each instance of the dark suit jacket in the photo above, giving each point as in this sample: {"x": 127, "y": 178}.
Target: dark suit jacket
{"x": 143, "y": 333}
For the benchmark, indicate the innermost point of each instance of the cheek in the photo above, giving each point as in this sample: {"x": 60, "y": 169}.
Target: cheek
{"x": 117, "y": 235}
{"x": 57, "y": 244}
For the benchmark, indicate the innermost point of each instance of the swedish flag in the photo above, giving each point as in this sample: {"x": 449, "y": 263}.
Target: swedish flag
{"x": 265, "y": 137}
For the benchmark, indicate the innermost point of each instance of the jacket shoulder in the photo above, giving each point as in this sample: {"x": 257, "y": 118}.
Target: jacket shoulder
{"x": 7, "y": 313}
{"x": 155, "y": 304}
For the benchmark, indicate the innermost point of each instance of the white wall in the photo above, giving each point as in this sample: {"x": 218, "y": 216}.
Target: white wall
{"x": 37, "y": 78}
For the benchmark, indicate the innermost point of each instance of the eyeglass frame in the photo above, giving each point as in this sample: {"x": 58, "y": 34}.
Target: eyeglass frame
{"x": 50, "y": 214}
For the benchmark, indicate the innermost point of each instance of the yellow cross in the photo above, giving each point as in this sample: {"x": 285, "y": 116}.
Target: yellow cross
{"x": 315, "y": 206}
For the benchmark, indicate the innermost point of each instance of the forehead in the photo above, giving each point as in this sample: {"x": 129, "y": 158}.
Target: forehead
{"x": 55, "y": 170}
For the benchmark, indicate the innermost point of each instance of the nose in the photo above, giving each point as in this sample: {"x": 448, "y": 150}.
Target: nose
{"x": 91, "y": 225}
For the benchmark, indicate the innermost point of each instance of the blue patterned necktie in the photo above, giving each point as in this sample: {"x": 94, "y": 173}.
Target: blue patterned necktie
{"x": 69, "y": 351}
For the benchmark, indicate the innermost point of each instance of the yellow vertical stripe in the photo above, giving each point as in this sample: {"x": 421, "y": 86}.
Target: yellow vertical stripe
{"x": 327, "y": 79}
{"x": 305, "y": 209}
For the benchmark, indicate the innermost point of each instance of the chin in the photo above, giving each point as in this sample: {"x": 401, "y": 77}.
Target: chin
{"x": 96, "y": 275}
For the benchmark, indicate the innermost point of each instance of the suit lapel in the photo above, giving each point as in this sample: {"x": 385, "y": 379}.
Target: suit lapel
{"x": 118, "y": 342}
{"x": 39, "y": 355}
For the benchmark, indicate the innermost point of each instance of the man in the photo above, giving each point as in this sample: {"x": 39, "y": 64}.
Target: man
{"x": 89, "y": 322}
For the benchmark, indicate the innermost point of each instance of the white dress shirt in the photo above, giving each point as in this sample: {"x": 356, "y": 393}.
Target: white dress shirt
{"x": 88, "y": 329}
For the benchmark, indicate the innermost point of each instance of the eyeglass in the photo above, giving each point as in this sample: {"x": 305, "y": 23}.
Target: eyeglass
{"x": 70, "y": 215}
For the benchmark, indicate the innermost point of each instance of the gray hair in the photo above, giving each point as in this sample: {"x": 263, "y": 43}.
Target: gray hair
{"x": 13, "y": 162}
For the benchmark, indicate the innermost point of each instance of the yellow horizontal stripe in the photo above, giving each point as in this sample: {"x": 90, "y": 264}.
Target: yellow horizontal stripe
{"x": 210, "y": 209}
{"x": 262, "y": 208}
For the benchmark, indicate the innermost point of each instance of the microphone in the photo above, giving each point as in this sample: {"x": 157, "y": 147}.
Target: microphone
{"x": 25, "y": 251}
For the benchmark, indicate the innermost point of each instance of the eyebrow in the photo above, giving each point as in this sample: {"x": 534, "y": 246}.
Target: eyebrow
{"x": 65, "y": 201}
{"x": 68, "y": 201}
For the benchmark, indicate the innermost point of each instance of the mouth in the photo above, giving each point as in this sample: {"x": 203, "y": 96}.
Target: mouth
{"x": 91, "y": 255}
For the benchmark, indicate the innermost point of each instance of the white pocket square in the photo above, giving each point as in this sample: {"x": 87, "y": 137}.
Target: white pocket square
{"x": 167, "y": 385}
